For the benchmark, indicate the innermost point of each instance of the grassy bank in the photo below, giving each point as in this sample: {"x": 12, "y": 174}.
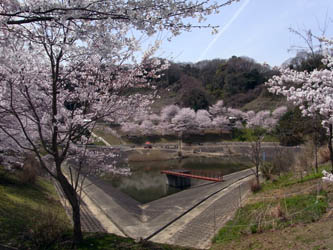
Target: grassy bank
{"x": 107, "y": 135}
{"x": 281, "y": 216}
{"x": 31, "y": 217}
{"x": 113, "y": 242}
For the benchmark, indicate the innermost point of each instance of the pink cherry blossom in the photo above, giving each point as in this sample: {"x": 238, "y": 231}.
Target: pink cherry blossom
{"x": 66, "y": 64}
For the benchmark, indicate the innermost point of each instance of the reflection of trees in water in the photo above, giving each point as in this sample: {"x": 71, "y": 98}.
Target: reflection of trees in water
{"x": 145, "y": 186}
{"x": 199, "y": 166}
{"x": 147, "y": 183}
{"x": 143, "y": 180}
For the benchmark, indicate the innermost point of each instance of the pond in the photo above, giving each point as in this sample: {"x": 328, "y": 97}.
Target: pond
{"x": 146, "y": 183}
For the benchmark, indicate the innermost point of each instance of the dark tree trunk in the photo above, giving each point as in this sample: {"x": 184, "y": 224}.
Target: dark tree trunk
{"x": 73, "y": 199}
{"x": 255, "y": 157}
{"x": 316, "y": 132}
{"x": 330, "y": 148}
{"x": 316, "y": 157}
{"x": 77, "y": 223}
{"x": 257, "y": 175}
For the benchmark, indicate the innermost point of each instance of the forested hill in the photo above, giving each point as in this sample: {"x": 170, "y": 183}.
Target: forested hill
{"x": 239, "y": 81}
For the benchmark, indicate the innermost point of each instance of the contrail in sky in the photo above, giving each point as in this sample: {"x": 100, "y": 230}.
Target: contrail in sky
{"x": 223, "y": 29}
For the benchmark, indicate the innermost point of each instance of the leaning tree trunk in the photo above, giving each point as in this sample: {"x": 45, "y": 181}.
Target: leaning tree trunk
{"x": 72, "y": 197}
{"x": 330, "y": 148}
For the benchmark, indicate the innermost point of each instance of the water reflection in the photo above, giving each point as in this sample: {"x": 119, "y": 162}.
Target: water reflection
{"x": 147, "y": 183}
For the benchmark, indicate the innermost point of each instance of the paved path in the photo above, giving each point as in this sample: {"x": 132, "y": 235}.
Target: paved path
{"x": 180, "y": 218}
{"x": 198, "y": 227}
{"x": 188, "y": 218}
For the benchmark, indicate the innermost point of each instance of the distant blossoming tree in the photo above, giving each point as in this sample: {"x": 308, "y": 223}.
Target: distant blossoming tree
{"x": 169, "y": 112}
{"x": 166, "y": 115}
{"x": 147, "y": 128}
{"x": 64, "y": 65}
{"x": 203, "y": 120}
{"x": 236, "y": 113}
{"x": 218, "y": 109}
{"x": 221, "y": 122}
{"x": 130, "y": 128}
{"x": 184, "y": 120}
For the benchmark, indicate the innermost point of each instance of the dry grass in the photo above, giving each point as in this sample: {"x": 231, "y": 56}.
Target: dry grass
{"x": 269, "y": 102}
{"x": 317, "y": 235}
{"x": 299, "y": 235}
{"x": 254, "y": 186}
{"x": 323, "y": 154}
{"x": 304, "y": 160}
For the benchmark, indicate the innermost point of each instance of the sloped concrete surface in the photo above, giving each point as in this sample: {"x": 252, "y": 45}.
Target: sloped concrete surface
{"x": 188, "y": 218}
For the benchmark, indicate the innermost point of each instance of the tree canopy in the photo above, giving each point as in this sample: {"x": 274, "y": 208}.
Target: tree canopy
{"x": 64, "y": 65}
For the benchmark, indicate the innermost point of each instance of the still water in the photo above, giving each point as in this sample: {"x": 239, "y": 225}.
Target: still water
{"x": 146, "y": 183}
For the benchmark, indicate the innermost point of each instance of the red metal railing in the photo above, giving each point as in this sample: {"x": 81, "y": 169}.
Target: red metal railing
{"x": 218, "y": 179}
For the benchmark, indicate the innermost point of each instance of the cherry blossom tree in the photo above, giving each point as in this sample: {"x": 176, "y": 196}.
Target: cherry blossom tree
{"x": 66, "y": 64}
{"x": 169, "y": 112}
{"x": 311, "y": 91}
{"x": 130, "y": 128}
{"x": 166, "y": 115}
{"x": 236, "y": 113}
{"x": 147, "y": 127}
{"x": 279, "y": 112}
{"x": 218, "y": 109}
{"x": 154, "y": 118}
{"x": 203, "y": 119}
{"x": 221, "y": 122}
{"x": 184, "y": 121}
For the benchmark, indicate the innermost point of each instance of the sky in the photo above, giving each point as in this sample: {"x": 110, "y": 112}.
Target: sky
{"x": 254, "y": 28}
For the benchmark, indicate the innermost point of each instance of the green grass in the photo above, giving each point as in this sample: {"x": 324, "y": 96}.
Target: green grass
{"x": 247, "y": 135}
{"x": 110, "y": 138}
{"x": 240, "y": 225}
{"x": 98, "y": 143}
{"x": 29, "y": 213}
{"x": 290, "y": 179}
{"x": 257, "y": 217}
{"x": 113, "y": 242}
{"x": 31, "y": 217}
{"x": 277, "y": 213}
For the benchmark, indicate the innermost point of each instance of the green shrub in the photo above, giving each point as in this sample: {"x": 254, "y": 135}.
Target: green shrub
{"x": 249, "y": 134}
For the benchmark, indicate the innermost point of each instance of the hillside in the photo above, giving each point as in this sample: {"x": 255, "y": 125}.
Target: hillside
{"x": 239, "y": 81}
